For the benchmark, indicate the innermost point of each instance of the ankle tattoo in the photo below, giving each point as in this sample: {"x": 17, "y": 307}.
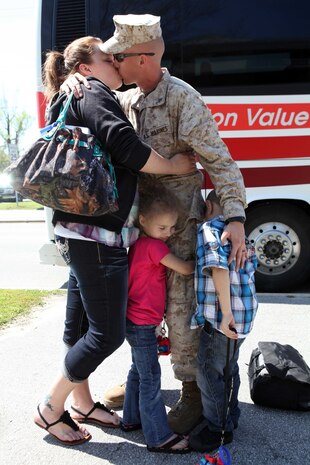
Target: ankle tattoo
{"x": 47, "y": 402}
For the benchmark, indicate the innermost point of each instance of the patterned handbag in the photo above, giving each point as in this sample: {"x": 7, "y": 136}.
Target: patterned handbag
{"x": 66, "y": 169}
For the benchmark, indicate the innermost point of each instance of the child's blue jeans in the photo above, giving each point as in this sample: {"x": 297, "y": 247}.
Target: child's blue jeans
{"x": 143, "y": 400}
{"x": 211, "y": 378}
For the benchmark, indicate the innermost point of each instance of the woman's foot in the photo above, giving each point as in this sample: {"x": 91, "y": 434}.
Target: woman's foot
{"x": 61, "y": 426}
{"x": 98, "y": 414}
{"x": 176, "y": 444}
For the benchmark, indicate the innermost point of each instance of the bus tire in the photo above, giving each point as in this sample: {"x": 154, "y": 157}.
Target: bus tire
{"x": 280, "y": 233}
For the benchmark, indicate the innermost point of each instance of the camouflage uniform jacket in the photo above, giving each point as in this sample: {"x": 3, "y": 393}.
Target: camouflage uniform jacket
{"x": 173, "y": 118}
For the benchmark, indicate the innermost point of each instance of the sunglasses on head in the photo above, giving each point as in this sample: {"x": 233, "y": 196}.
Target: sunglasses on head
{"x": 121, "y": 56}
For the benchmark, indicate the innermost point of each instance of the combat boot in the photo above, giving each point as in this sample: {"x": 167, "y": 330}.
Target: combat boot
{"x": 187, "y": 412}
{"x": 114, "y": 397}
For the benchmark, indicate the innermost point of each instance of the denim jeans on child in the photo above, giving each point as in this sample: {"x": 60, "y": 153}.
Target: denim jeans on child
{"x": 211, "y": 378}
{"x": 143, "y": 400}
{"x": 97, "y": 293}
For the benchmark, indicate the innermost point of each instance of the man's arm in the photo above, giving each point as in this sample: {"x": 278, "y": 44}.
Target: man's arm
{"x": 221, "y": 282}
{"x": 198, "y": 129}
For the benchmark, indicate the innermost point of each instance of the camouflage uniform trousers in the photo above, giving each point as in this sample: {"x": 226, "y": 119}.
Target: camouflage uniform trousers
{"x": 180, "y": 307}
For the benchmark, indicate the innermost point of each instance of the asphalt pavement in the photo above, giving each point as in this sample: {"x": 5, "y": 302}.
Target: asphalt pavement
{"x": 31, "y": 352}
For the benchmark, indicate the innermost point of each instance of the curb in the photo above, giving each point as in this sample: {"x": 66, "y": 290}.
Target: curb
{"x": 21, "y": 221}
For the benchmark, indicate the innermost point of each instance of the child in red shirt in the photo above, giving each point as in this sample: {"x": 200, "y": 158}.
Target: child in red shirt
{"x": 149, "y": 258}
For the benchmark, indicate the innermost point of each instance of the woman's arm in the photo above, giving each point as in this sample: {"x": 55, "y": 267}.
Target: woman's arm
{"x": 99, "y": 111}
{"x": 181, "y": 163}
{"x": 178, "y": 265}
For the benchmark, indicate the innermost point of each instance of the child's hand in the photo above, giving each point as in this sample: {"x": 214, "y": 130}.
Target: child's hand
{"x": 227, "y": 323}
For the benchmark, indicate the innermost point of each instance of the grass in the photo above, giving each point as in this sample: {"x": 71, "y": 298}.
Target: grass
{"x": 17, "y": 302}
{"x": 25, "y": 205}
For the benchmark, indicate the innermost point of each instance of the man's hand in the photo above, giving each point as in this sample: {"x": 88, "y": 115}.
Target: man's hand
{"x": 227, "y": 323}
{"x": 73, "y": 83}
{"x": 184, "y": 163}
{"x": 234, "y": 231}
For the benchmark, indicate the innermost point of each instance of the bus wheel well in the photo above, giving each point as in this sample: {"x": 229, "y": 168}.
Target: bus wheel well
{"x": 302, "y": 204}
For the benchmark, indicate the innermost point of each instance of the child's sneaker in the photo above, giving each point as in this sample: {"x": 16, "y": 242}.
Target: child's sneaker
{"x": 207, "y": 440}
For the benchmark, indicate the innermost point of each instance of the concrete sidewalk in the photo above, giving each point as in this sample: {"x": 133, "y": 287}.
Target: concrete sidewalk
{"x": 22, "y": 216}
{"x": 30, "y": 356}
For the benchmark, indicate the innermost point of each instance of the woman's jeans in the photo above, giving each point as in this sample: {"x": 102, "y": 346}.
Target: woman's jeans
{"x": 143, "y": 400}
{"x": 96, "y": 304}
{"x": 211, "y": 378}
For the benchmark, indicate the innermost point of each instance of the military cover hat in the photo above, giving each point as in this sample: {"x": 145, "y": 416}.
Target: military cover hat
{"x": 131, "y": 30}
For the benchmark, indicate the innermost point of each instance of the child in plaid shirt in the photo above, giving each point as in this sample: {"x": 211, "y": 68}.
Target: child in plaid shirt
{"x": 226, "y": 307}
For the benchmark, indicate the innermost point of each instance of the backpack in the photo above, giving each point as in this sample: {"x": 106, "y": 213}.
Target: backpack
{"x": 279, "y": 377}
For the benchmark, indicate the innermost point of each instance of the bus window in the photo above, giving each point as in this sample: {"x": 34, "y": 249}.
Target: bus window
{"x": 263, "y": 67}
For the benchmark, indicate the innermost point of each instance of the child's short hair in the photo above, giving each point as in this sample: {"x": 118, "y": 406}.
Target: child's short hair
{"x": 213, "y": 197}
{"x": 155, "y": 198}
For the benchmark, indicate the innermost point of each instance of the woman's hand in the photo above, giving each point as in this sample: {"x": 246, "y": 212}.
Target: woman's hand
{"x": 181, "y": 163}
{"x": 73, "y": 84}
{"x": 184, "y": 163}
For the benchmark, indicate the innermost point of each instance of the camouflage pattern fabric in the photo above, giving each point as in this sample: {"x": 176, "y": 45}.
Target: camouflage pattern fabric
{"x": 132, "y": 30}
{"x": 180, "y": 305}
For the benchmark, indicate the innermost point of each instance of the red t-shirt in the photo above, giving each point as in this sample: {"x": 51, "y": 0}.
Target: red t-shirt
{"x": 147, "y": 281}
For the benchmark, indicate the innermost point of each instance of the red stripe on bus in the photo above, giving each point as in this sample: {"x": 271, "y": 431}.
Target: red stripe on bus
{"x": 41, "y": 106}
{"x": 268, "y": 177}
{"x": 260, "y": 148}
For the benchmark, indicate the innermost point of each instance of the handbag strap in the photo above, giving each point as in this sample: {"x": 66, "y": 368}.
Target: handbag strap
{"x": 62, "y": 115}
{"x": 60, "y": 121}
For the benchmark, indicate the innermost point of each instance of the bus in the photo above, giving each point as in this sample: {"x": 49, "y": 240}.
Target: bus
{"x": 251, "y": 63}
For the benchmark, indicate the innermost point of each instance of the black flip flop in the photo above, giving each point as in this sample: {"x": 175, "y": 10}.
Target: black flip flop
{"x": 167, "y": 448}
{"x": 67, "y": 420}
{"x": 86, "y": 418}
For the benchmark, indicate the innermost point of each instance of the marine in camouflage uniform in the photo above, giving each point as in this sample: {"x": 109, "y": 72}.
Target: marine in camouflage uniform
{"x": 171, "y": 119}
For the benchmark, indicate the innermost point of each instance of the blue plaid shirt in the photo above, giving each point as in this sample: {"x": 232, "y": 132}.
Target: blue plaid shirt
{"x": 211, "y": 253}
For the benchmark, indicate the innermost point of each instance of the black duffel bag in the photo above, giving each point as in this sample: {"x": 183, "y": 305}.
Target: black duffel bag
{"x": 279, "y": 377}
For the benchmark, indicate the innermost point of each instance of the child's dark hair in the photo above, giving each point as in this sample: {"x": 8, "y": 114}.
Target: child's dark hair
{"x": 155, "y": 198}
{"x": 213, "y": 197}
